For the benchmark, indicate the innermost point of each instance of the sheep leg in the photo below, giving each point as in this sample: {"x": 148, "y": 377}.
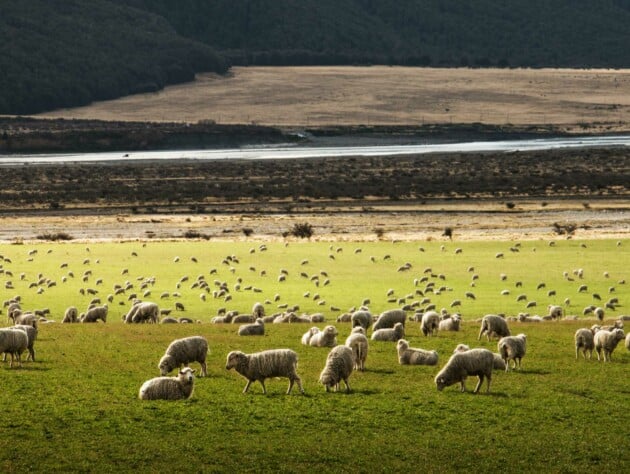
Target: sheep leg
{"x": 249, "y": 382}
{"x": 290, "y": 386}
{"x": 203, "y": 369}
{"x": 347, "y": 385}
{"x": 479, "y": 383}
{"x": 262, "y": 382}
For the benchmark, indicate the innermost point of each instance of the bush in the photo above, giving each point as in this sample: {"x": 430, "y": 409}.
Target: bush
{"x": 302, "y": 230}
{"x": 55, "y": 237}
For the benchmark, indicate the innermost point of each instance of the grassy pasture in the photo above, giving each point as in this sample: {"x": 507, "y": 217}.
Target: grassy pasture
{"x": 75, "y": 408}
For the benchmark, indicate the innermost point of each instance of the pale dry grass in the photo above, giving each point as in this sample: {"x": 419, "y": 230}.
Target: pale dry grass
{"x": 316, "y": 96}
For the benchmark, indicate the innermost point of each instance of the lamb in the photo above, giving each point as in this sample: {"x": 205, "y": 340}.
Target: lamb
{"x": 183, "y": 351}
{"x": 415, "y": 356}
{"x": 430, "y": 323}
{"x": 361, "y": 318}
{"x": 259, "y": 366}
{"x": 325, "y": 338}
{"x": 607, "y": 341}
{"x": 358, "y": 342}
{"x": 512, "y": 348}
{"x": 389, "y": 318}
{"x": 94, "y": 314}
{"x": 254, "y": 329}
{"x": 451, "y": 323}
{"x": 339, "y": 364}
{"x": 584, "y": 341}
{"x": 71, "y": 315}
{"x": 143, "y": 312}
{"x": 306, "y": 338}
{"x": 493, "y": 325}
{"x": 13, "y": 342}
{"x": 389, "y": 334}
{"x": 477, "y": 362}
{"x": 169, "y": 388}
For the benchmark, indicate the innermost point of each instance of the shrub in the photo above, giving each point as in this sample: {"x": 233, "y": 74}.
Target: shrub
{"x": 302, "y": 230}
{"x": 55, "y": 237}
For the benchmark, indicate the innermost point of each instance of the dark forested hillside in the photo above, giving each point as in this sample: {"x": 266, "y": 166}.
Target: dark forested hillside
{"x": 56, "y": 53}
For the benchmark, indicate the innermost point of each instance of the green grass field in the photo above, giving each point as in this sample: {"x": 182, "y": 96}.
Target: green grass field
{"x": 76, "y": 409}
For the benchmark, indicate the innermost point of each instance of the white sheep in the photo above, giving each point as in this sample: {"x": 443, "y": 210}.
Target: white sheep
{"x": 92, "y": 315}
{"x": 499, "y": 364}
{"x": 430, "y": 323}
{"x": 254, "y": 329}
{"x": 493, "y": 325}
{"x": 555, "y": 311}
{"x": 584, "y": 341}
{"x": 599, "y": 313}
{"x": 389, "y": 334}
{"x": 512, "y": 348}
{"x": 13, "y": 342}
{"x": 143, "y": 312}
{"x": 358, "y": 342}
{"x": 339, "y": 365}
{"x": 306, "y": 338}
{"x": 325, "y": 338}
{"x": 451, "y": 323}
{"x": 31, "y": 334}
{"x": 181, "y": 352}
{"x": 607, "y": 341}
{"x": 259, "y": 366}
{"x": 169, "y": 388}
{"x": 361, "y": 318}
{"x": 258, "y": 310}
{"x": 387, "y": 319}
{"x": 477, "y": 362}
{"x": 71, "y": 315}
{"x": 628, "y": 341}
{"x": 415, "y": 356}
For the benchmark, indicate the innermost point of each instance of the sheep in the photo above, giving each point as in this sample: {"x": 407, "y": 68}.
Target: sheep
{"x": 477, "y": 362}
{"x": 243, "y": 319}
{"x": 415, "y": 356}
{"x": 325, "y": 338}
{"x": 512, "y": 348}
{"x": 306, "y": 338}
{"x": 258, "y": 310}
{"x": 71, "y": 315}
{"x": 607, "y": 341}
{"x": 344, "y": 318}
{"x": 259, "y": 366}
{"x": 555, "y": 311}
{"x": 29, "y": 319}
{"x": 389, "y": 334}
{"x": 387, "y": 319}
{"x": 181, "y": 352}
{"x": 358, "y": 342}
{"x": 94, "y": 314}
{"x": 599, "y": 313}
{"x": 430, "y": 323}
{"x": 361, "y": 318}
{"x": 254, "y": 329}
{"x": 317, "y": 318}
{"x": 169, "y": 320}
{"x": 451, "y": 323}
{"x": 169, "y": 388}
{"x": 584, "y": 341}
{"x": 143, "y": 312}
{"x": 628, "y": 342}
{"x": 13, "y": 342}
{"x": 339, "y": 365}
{"x": 492, "y": 324}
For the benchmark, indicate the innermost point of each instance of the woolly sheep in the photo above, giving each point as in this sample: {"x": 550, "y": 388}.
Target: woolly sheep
{"x": 599, "y": 313}
{"x": 13, "y": 342}
{"x": 169, "y": 320}
{"x": 628, "y": 342}
{"x": 584, "y": 341}
{"x": 181, "y": 352}
{"x": 169, "y": 388}
{"x": 254, "y": 329}
{"x": 31, "y": 334}
{"x": 339, "y": 364}
{"x": 94, "y": 314}
{"x": 387, "y": 319}
{"x": 306, "y": 338}
{"x": 389, "y": 334}
{"x": 143, "y": 312}
{"x": 71, "y": 315}
{"x": 259, "y": 366}
{"x": 607, "y": 341}
{"x": 325, "y": 338}
{"x": 430, "y": 323}
{"x": 493, "y": 325}
{"x": 344, "y": 318}
{"x": 415, "y": 356}
{"x": 258, "y": 310}
{"x": 512, "y": 348}
{"x": 361, "y": 318}
{"x": 499, "y": 364}
{"x": 477, "y": 362}
{"x": 28, "y": 319}
{"x": 555, "y": 311}
{"x": 358, "y": 342}
{"x": 450, "y": 324}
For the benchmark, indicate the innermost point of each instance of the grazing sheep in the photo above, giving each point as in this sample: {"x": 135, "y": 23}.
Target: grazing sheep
{"x": 493, "y": 325}
{"x": 499, "y": 364}
{"x": 389, "y": 334}
{"x": 339, "y": 364}
{"x": 584, "y": 341}
{"x": 13, "y": 342}
{"x": 479, "y": 362}
{"x": 361, "y": 318}
{"x": 259, "y": 366}
{"x": 94, "y": 314}
{"x": 555, "y": 311}
{"x": 387, "y": 319}
{"x": 430, "y": 323}
{"x": 169, "y": 388}
{"x": 415, "y": 356}
{"x": 607, "y": 341}
{"x": 71, "y": 315}
{"x": 512, "y": 348}
{"x": 143, "y": 312}
{"x": 181, "y": 352}
{"x": 358, "y": 342}
{"x": 451, "y": 323}
{"x": 169, "y": 320}
{"x": 306, "y": 338}
{"x": 254, "y": 329}
{"x": 344, "y": 318}
{"x": 317, "y": 318}
{"x": 325, "y": 338}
